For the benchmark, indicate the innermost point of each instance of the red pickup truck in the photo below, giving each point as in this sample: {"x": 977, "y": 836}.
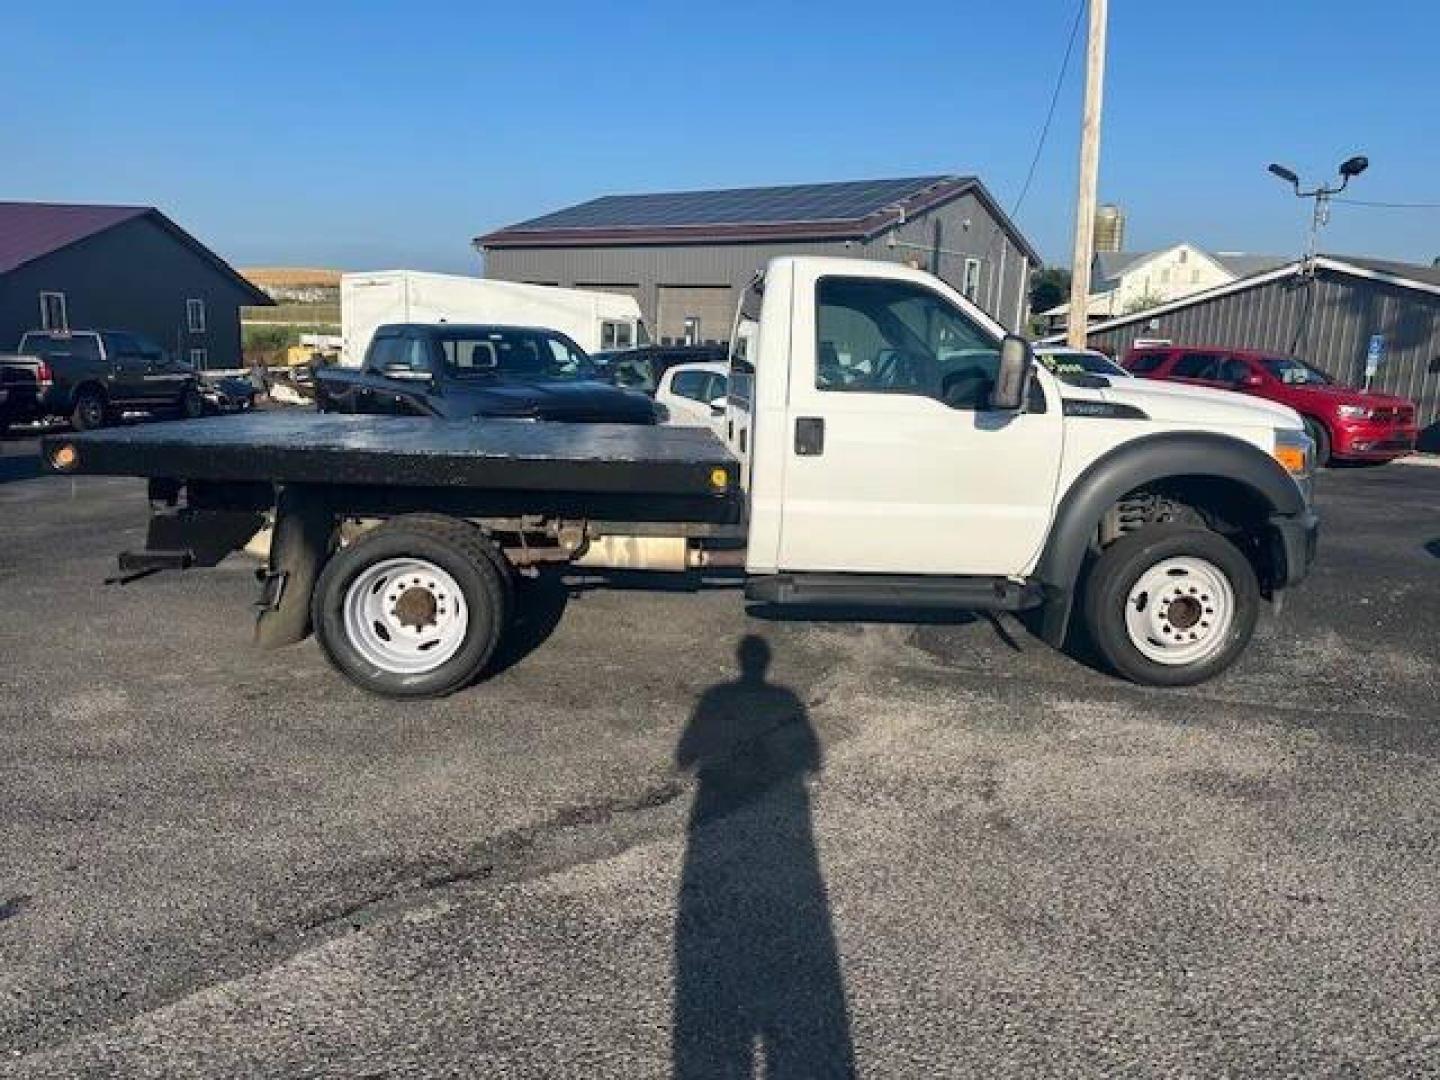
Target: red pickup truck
{"x": 1346, "y": 424}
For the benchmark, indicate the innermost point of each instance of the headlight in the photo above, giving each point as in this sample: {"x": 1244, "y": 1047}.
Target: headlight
{"x": 1295, "y": 450}
{"x": 1356, "y": 412}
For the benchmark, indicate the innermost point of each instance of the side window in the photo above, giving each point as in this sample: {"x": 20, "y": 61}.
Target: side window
{"x": 1233, "y": 370}
{"x": 1196, "y": 366}
{"x": 694, "y": 385}
{"x": 896, "y": 337}
{"x": 1146, "y": 362}
{"x": 386, "y": 352}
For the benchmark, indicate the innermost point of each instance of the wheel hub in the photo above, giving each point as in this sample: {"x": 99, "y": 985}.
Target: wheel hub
{"x": 405, "y": 615}
{"x": 416, "y": 608}
{"x": 1185, "y": 612}
{"x": 1180, "y": 611}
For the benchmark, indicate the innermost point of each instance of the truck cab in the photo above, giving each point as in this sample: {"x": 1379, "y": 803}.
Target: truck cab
{"x": 882, "y": 462}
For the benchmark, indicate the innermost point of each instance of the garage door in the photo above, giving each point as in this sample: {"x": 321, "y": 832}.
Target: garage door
{"x": 695, "y": 313}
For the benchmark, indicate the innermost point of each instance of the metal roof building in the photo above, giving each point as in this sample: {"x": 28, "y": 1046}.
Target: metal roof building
{"x": 1326, "y": 314}
{"x": 67, "y": 266}
{"x": 685, "y": 255}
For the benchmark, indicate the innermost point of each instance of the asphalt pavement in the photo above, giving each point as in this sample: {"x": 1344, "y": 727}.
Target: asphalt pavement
{"x": 669, "y": 838}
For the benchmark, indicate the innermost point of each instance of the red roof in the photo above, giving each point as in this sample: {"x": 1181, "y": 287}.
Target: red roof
{"x": 31, "y": 230}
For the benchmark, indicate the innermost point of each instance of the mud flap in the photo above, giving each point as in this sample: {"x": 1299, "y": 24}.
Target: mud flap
{"x": 302, "y": 539}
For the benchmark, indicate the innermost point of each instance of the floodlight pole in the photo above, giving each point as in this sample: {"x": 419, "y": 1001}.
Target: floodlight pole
{"x": 1076, "y": 334}
{"x": 1321, "y": 194}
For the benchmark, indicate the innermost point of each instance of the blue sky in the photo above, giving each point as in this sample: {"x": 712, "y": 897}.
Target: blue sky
{"x": 364, "y": 134}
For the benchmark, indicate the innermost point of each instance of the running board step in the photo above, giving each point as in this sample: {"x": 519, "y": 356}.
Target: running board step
{"x": 896, "y": 591}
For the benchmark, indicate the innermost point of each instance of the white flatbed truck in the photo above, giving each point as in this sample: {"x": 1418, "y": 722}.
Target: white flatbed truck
{"x": 885, "y": 444}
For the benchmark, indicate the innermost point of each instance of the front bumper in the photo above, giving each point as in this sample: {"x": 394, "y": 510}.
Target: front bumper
{"x": 1373, "y": 442}
{"x": 1296, "y": 537}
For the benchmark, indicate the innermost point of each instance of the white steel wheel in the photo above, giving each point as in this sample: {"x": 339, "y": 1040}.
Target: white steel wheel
{"x": 1180, "y": 611}
{"x": 407, "y": 616}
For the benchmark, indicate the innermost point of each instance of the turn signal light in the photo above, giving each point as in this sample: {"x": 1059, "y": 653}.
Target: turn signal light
{"x": 1293, "y": 458}
{"x": 65, "y": 457}
{"x": 719, "y": 479}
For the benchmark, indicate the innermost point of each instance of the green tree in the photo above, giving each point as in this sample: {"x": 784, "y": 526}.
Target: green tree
{"x": 1049, "y": 285}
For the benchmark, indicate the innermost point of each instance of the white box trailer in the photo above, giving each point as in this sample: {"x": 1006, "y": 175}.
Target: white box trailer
{"x": 594, "y": 320}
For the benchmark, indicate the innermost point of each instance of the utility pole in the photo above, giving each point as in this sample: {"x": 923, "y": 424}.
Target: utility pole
{"x": 1089, "y": 177}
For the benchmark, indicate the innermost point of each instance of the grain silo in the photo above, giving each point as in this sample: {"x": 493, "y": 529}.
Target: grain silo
{"x": 1109, "y": 228}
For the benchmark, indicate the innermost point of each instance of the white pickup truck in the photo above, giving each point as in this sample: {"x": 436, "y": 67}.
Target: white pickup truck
{"x": 885, "y": 445}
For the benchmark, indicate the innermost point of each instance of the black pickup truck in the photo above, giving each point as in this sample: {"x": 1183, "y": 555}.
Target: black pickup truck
{"x": 456, "y": 371}
{"x": 91, "y": 376}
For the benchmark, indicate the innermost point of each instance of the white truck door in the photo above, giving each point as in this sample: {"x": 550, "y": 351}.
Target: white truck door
{"x": 894, "y": 463}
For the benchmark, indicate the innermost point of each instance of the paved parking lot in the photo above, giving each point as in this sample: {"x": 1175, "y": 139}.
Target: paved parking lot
{"x": 884, "y": 848}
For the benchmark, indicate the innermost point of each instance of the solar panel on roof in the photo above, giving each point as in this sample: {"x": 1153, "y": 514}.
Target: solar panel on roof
{"x": 848, "y": 201}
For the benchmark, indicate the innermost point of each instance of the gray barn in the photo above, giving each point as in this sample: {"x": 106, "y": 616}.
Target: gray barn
{"x": 685, "y": 256}
{"x": 72, "y": 267}
{"x": 1326, "y": 317}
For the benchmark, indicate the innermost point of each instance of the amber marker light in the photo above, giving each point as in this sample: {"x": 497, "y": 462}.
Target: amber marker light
{"x": 65, "y": 457}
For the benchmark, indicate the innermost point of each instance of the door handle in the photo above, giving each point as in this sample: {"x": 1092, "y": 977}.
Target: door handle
{"x": 809, "y": 436}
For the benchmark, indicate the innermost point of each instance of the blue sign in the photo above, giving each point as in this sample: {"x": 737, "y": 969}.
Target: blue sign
{"x": 1374, "y": 354}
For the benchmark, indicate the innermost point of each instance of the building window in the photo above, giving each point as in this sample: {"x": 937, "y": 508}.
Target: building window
{"x": 692, "y": 330}
{"x": 616, "y": 335}
{"x": 970, "y": 281}
{"x": 195, "y": 316}
{"x": 199, "y": 359}
{"x": 52, "y": 311}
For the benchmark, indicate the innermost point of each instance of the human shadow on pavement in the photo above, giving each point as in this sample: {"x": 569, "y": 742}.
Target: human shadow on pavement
{"x": 758, "y": 986}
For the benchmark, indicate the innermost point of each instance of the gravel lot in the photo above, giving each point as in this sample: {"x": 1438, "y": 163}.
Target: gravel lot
{"x": 908, "y": 850}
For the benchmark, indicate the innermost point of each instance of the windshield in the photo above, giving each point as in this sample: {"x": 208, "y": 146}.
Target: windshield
{"x": 1080, "y": 363}
{"x": 519, "y": 354}
{"x": 1295, "y": 372}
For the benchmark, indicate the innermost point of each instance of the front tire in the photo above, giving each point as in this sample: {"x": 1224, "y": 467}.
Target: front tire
{"x": 1171, "y": 605}
{"x": 412, "y": 609}
{"x": 1320, "y": 435}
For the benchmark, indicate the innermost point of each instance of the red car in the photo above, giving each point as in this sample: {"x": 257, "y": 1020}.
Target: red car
{"x": 1346, "y": 424}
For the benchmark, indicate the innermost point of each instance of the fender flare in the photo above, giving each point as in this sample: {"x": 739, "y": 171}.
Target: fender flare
{"x": 1133, "y": 465}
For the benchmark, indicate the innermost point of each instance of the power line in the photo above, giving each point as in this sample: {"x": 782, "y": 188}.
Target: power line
{"x": 1391, "y": 205}
{"x": 1044, "y": 132}
{"x": 1050, "y": 112}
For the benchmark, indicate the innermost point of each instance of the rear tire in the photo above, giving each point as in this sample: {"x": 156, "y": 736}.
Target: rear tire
{"x": 1321, "y": 437}
{"x": 414, "y": 608}
{"x": 89, "y": 411}
{"x": 1171, "y": 605}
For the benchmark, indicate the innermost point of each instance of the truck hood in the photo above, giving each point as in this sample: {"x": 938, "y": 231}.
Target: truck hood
{"x": 592, "y": 402}
{"x": 1177, "y": 403}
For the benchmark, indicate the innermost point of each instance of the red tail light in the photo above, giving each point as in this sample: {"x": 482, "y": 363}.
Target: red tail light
{"x": 43, "y": 374}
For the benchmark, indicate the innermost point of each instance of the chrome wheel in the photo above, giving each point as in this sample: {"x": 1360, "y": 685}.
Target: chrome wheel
{"x": 1180, "y": 611}
{"x": 406, "y": 616}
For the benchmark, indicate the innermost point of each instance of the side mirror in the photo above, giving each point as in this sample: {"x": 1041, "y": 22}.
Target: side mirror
{"x": 717, "y": 407}
{"x": 1012, "y": 380}
{"x": 404, "y": 374}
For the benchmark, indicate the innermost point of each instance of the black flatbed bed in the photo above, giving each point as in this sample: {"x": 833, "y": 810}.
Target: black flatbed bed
{"x": 637, "y": 471}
